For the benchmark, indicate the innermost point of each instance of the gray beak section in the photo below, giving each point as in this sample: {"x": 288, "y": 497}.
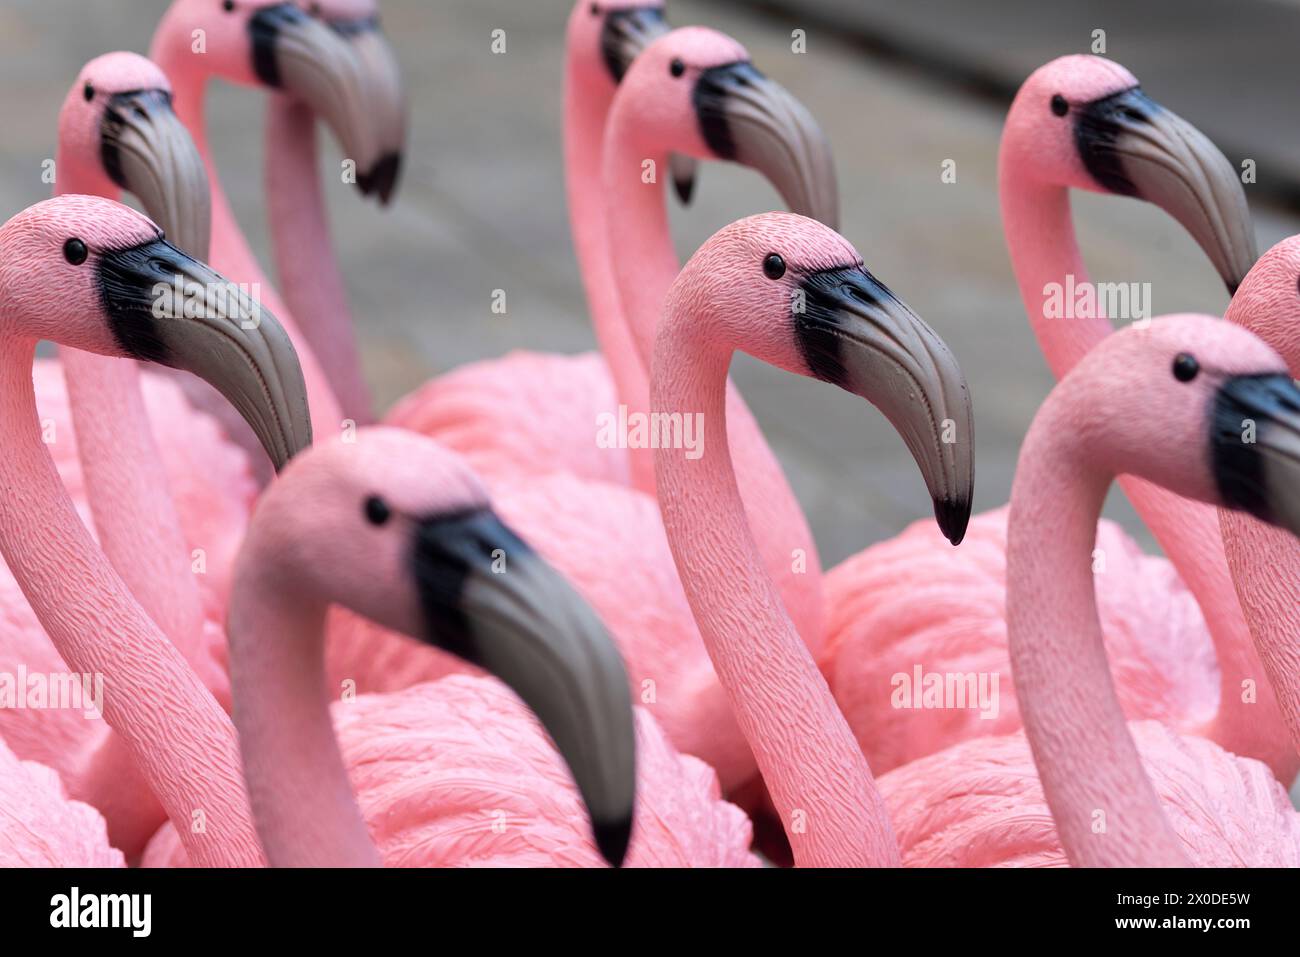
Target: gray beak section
{"x": 488, "y": 598}
{"x": 148, "y": 152}
{"x": 685, "y": 171}
{"x": 747, "y": 118}
{"x": 854, "y": 333}
{"x": 626, "y": 33}
{"x": 319, "y": 66}
{"x": 1134, "y": 147}
{"x": 387, "y": 98}
{"x": 166, "y": 307}
{"x": 1255, "y": 447}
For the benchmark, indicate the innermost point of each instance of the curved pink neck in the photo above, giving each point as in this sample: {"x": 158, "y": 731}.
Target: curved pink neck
{"x": 1105, "y": 809}
{"x": 644, "y": 274}
{"x": 1265, "y": 562}
{"x": 302, "y": 800}
{"x": 305, "y": 261}
{"x": 126, "y": 484}
{"x": 181, "y": 740}
{"x": 810, "y": 761}
{"x": 229, "y": 252}
{"x": 586, "y": 105}
{"x": 1041, "y": 240}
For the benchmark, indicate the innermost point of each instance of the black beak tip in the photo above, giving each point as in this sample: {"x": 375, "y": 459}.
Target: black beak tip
{"x": 1233, "y": 285}
{"x": 382, "y": 178}
{"x": 953, "y": 516}
{"x": 685, "y": 189}
{"x": 612, "y": 838}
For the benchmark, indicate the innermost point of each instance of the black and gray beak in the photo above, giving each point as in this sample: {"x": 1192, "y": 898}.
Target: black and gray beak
{"x": 625, "y": 34}
{"x": 166, "y": 307}
{"x": 488, "y": 598}
{"x": 1255, "y": 446}
{"x": 749, "y": 119}
{"x": 1134, "y": 147}
{"x": 308, "y": 60}
{"x": 387, "y": 97}
{"x": 146, "y": 150}
{"x": 856, "y": 334}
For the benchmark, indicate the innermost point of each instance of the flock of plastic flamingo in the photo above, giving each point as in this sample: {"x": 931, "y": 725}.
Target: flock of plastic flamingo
{"x": 418, "y": 639}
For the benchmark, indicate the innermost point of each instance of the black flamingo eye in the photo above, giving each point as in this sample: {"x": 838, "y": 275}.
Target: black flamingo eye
{"x": 1059, "y": 106}
{"x": 88, "y": 92}
{"x": 1185, "y": 367}
{"x": 377, "y": 510}
{"x": 228, "y": 5}
{"x": 74, "y": 251}
{"x": 595, "y": 9}
{"x": 773, "y": 266}
{"x": 677, "y": 67}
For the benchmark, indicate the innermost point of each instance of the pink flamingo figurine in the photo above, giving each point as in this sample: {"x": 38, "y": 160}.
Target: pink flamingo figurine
{"x": 1192, "y": 373}
{"x": 81, "y": 271}
{"x": 1078, "y": 122}
{"x": 791, "y": 292}
{"x": 453, "y": 771}
{"x": 117, "y": 131}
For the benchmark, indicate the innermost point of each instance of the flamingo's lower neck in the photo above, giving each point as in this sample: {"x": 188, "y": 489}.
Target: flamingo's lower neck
{"x": 310, "y": 279}
{"x": 302, "y": 801}
{"x": 1104, "y": 806}
{"x": 180, "y": 738}
{"x": 585, "y": 109}
{"x": 1049, "y": 269}
{"x": 1266, "y": 569}
{"x": 643, "y": 260}
{"x": 812, "y": 765}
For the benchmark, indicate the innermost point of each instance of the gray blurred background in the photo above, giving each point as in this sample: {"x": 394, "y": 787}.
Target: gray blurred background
{"x": 898, "y": 87}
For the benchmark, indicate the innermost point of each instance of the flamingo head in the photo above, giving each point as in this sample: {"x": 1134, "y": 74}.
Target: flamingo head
{"x": 1268, "y": 301}
{"x": 401, "y": 532}
{"x": 694, "y": 92}
{"x": 1216, "y": 415}
{"x": 1083, "y": 122}
{"x": 280, "y": 46}
{"x": 792, "y": 292}
{"x": 92, "y": 274}
{"x": 117, "y": 131}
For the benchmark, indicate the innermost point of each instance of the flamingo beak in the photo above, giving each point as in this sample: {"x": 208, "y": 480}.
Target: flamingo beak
{"x": 315, "y": 64}
{"x": 747, "y": 118}
{"x": 628, "y": 31}
{"x": 685, "y": 171}
{"x": 146, "y": 150}
{"x": 1134, "y": 147}
{"x": 853, "y": 332}
{"x": 387, "y": 102}
{"x": 1255, "y": 447}
{"x": 488, "y": 598}
{"x": 166, "y": 307}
